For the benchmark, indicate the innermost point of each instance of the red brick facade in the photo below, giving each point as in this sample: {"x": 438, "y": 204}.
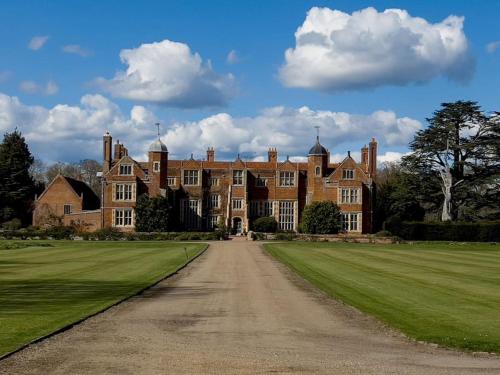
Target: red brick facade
{"x": 203, "y": 192}
{"x": 67, "y": 201}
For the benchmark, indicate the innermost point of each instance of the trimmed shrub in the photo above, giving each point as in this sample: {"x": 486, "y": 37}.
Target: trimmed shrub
{"x": 13, "y": 224}
{"x": 266, "y": 224}
{"x": 108, "y": 233}
{"x": 447, "y": 231}
{"x": 60, "y": 232}
{"x": 383, "y": 233}
{"x": 321, "y": 218}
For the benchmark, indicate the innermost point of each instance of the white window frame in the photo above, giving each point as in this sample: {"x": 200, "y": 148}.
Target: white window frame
{"x": 125, "y": 170}
{"x": 286, "y": 215}
{"x": 68, "y": 206}
{"x": 124, "y": 192}
{"x": 267, "y": 209}
{"x": 171, "y": 181}
{"x": 213, "y": 181}
{"x": 348, "y": 174}
{"x": 156, "y": 166}
{"x": 287, "y": 179}
{"x": 238, "y": 177}
{"x": 318, "y": 171}
{"x": 351, "y": 221}
{"x": 123, "y": 217}
{"x": 213, "y": 221}
{"x": 191, "y": 177}
{"x": 350, "y": 195}
{"x": 214, "y": 201}
{"x": 237, "y": 204}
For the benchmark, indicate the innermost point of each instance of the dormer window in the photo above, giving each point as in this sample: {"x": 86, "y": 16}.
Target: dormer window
{"x": 125, "y": 170}
{"x": 348, "y": 174}
{"x": 318, "y": 171}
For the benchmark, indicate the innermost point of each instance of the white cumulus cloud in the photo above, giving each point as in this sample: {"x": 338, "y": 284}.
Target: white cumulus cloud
{"x": 338, "y": 51}
{"x": 290, "y": 130}
{"x": 73, "y": 132}
{"x": 169, "y": 73}
{"x": 37, "y": 42}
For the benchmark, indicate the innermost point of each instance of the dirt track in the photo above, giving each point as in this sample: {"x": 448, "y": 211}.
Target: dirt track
{"x": 236, "y": 311}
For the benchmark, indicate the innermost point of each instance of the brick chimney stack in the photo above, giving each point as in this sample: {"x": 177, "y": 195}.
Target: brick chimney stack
{"x": 107, "y": 141}
{"x": 372, "y": 158}
{"x": 364, "y": 158}
{"x": 210, "y": 154}
{"x": 272, "y": 155}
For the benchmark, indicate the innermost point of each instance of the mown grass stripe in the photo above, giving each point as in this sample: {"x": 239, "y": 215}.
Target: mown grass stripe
{"x": 428, "y": 294}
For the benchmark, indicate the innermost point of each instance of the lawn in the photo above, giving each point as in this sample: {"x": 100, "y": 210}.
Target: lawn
{"x": 447, "y": 294}
{"x": 47, "y": 285}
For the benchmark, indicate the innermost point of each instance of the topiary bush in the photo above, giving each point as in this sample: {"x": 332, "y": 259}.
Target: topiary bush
{"x": 266, "y": 224}
{"x": 321, "y": 218}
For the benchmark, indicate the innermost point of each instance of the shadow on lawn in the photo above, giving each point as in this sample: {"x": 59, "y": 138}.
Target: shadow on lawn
{"x": 47, "y": 296}
{"x": 29, "y": 297}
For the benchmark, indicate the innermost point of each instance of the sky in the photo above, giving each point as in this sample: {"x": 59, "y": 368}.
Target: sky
{"x": 241, "y": 76}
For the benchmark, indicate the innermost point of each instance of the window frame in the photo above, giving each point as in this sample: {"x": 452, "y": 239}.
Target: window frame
{"x": 238, "y": 207}
{"x": 348, "y": 174}
{"x": 123, "y": 192}
{"x": 347, "y": 194}
{"x": 192, "y": 180}
{"x": 121, "y": 219}
{"x": 238, "y": 177}
{"x": 213, "y": 181}
{"x": 156, "y": 166}
{"x": 69, "y": 206}
{"x": 287, "y": 179}
{"x": 169, "y": 179}
{"x": 286, "y": 217}
{"x": 214, "y": 201}
{"x": 122, "y": 167}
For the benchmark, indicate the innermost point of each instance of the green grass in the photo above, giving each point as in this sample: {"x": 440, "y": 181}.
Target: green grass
{"x": 46, "y": 287}
{"x": 447, "y": 294}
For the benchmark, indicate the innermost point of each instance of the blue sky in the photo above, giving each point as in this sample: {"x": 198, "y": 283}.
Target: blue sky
{"x": 258, "y": 32}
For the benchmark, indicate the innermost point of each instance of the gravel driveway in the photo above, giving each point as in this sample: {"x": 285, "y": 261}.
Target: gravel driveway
{"x": 236, "y": 311}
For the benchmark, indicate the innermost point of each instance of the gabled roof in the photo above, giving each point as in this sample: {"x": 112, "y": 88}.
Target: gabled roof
{"x": 90, "y": 200}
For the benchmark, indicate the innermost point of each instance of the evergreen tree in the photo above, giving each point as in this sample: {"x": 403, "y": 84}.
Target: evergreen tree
{"x": 455, "y": 155}
{"x": 396, "y": 196}
{"x": 321, "y": 218}
{"x": 17, "y": 187}
{"x": 152, "y": 214}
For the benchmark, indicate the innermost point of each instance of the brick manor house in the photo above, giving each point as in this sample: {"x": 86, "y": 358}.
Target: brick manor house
{"x": 204, "y": 192}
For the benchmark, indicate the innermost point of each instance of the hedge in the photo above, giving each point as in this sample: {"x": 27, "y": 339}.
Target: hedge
{"x": 439, "y": 231}
{"x": 68, "y": 233}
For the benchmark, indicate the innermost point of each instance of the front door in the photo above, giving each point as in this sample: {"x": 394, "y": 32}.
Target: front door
{"x": 237, "y": 225}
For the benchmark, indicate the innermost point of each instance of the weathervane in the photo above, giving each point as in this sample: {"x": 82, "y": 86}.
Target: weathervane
{"x": 158, "y": 127}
